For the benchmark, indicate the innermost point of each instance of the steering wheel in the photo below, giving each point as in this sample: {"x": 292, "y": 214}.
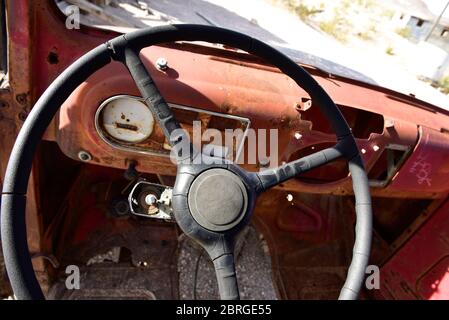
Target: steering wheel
{"x": 212, "y": 200}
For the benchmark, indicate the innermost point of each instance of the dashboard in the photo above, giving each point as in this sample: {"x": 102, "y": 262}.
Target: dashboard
{"x": 126, "y": 123}
{"x": 404, "y": 142}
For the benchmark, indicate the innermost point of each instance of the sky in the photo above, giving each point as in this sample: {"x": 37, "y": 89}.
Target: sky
{"x": 436, "y": 6}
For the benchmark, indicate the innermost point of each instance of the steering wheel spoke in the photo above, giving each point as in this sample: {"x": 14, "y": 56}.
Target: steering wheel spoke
{"x": 176, "y": 137}
{"x": 226, "y": 277}
{"x": 150, "y": 93}
{"x": 221, "y": 251}
{"x": 272, "y": 177}
{"x": 345, "y": 147}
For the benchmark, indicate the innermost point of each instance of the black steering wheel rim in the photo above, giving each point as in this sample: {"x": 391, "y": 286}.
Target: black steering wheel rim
{"x": 13, "y": 228}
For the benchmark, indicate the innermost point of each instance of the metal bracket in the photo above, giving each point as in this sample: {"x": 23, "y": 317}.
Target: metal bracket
{"x": 151, "y": 200}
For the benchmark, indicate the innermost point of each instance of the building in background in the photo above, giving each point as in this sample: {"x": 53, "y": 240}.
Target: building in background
{"x": 417, "y": 20}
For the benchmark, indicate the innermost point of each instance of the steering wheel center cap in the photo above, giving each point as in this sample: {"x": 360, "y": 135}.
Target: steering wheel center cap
{"x": 218, "y": 199}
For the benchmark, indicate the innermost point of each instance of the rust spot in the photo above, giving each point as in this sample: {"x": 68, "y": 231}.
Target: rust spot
{"x": 107, "y": 160}
{"x": 284, "y": 121}
{"x": 226, "y": 107}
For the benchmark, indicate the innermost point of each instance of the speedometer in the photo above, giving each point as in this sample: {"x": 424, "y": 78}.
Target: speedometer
{"x": 125, "y": 119}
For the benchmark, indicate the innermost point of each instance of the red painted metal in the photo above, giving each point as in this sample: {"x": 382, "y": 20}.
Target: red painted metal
{"x": 427, "y": 168}
{"x": 420, "y": 269}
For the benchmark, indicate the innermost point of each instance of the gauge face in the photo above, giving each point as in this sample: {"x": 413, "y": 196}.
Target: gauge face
{"x": 126, "y": 119}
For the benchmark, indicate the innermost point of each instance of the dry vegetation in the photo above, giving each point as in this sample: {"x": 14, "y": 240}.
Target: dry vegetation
{"x": 444, "y": 85}
{"x": 335, "y": 17}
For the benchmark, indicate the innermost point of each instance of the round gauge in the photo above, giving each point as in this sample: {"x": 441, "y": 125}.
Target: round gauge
{"x": 126, "y": 119}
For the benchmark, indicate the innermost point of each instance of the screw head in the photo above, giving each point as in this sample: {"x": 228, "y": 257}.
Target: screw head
{"x": 264, "y": 162}
{"x": 84, "y": 156}
{"x": 161, "y": 64}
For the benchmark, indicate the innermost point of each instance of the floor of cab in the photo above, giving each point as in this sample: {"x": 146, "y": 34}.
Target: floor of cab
{"x": 165, "y": 266}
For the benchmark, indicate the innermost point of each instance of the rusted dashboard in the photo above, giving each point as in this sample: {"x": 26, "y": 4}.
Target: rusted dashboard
{"x": 404, "y": 141}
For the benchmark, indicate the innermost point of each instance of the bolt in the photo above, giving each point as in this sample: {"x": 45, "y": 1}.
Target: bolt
{"x": 84, "y": 156}
{"x": 150, "y": 199}
{"x": 264, "y": 162}
{"x": 161, "y": 64}
{"x": 3, "y": 104}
